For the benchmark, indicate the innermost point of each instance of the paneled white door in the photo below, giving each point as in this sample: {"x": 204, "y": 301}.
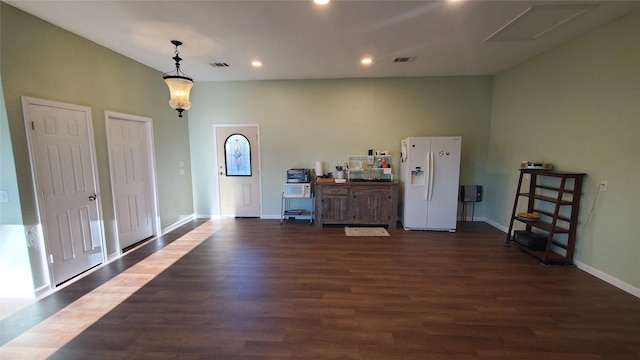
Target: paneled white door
{"x": 238, "y": 155}
{"x": 131, "y": 172}
{"x": 63, "y": 160}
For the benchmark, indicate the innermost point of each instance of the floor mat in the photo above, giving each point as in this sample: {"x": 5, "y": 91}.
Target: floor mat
{"x": 365, "y": 231}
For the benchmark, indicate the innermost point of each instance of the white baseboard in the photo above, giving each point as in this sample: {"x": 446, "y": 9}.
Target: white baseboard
{"x": 472, "y": 219}
{"x": 113, "y": 256}
{"x": 589, "y": 269}
{"x": 266, "y": 217}
{"x": 42, "y": 291}
{"x": 496, "y": 225}
{"x": 200, "y": 216}
{"x": 206, "y": 216}
{"x": 178, "y": 224}
{"x": 608, "y": 278}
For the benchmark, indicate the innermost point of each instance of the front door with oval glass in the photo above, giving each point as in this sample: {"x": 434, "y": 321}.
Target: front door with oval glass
{"x": 238, "y": 170}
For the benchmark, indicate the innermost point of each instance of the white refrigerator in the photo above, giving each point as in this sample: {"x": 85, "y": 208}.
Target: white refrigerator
{"x": 430, "y": 175}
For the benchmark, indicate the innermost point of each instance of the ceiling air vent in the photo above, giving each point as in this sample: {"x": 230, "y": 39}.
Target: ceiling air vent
{"x": 404, "y": 59}
{"x": 219, "y": 64}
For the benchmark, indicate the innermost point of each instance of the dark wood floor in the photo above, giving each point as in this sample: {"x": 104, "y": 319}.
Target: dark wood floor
{"x": 260, "y": 290}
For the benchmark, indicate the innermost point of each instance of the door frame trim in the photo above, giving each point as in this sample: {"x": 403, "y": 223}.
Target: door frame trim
{"x": 40, "y": 236}
{"x": 215, "y": 161}
{"x": 148, "y": 123}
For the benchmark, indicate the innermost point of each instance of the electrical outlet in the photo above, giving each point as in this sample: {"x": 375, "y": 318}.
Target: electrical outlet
{"x": 4, "y": 196}
{"x": 603, "y": 186}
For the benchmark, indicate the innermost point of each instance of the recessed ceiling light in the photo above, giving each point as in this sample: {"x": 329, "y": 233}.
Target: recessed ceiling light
{"x": 321, "y": 2}
{"x": 256, "y": 63}
{"x": 366, "y": 61}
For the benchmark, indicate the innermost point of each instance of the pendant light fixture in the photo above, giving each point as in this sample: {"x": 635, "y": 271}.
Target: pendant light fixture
{"x": 179, "y": 85}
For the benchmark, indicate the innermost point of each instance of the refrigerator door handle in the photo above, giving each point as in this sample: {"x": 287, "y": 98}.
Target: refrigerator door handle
{"x": 428, "y": 184}
{"x": 430, "y": 191}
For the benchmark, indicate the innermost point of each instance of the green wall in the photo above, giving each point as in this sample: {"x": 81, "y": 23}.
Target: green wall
{"x": 578, "y": 108}
{"x": 304, "y": 121}
{"x": 43, "y": 61}
{"x": 575, "y": 106}
{"x": 16, "y": 279}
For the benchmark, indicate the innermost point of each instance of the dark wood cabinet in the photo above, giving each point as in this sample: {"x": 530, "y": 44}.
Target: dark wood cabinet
{"x": 357, "y": 203}
{"x": 331, "y": 206}
{"x": 555, "y": 197}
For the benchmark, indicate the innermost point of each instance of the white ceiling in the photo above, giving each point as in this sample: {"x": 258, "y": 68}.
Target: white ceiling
{"x": 297, "y": 39}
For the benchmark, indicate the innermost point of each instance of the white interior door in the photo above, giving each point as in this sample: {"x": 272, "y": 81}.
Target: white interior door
{"x": 238, "y": 156}
{"x": 62, "y": 157}
{"x": 130, "y": 165}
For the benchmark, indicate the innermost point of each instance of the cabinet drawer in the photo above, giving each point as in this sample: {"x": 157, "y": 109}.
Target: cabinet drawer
{"x": 335, "y": 190}
{"x": 366, "y": 190}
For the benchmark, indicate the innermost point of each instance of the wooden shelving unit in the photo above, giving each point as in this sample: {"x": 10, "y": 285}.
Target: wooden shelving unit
{"x": 557, "y": 200}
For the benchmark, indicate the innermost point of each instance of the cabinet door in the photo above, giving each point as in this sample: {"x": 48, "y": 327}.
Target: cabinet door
{"x": 370, "y": 205}
{"x": 333, "y": 205}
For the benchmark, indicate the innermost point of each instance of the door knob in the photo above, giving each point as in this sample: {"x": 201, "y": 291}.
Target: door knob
{"x": 93, "y": 197}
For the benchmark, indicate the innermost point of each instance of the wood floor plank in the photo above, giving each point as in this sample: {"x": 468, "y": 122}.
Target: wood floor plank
{"x": 260, "y": 290}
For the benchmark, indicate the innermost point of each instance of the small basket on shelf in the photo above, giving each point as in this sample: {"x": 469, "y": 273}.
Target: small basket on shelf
{"x": 525, "y": 216}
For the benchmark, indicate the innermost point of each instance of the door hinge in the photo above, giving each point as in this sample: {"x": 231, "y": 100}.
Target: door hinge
{"x": 50, "y": 258}
{"x": 33, "y": 126}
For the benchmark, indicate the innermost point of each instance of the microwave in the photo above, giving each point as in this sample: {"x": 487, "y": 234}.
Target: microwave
{"x": 297, "y": 190}
{"x": 299, "y": 176}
